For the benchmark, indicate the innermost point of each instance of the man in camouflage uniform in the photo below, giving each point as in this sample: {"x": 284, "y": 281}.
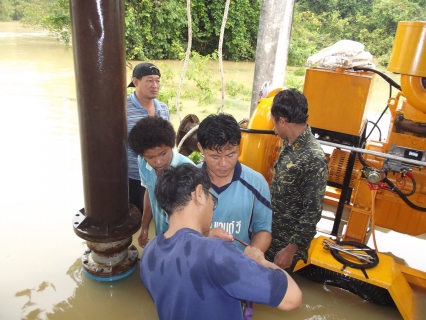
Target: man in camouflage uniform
{"x": 299, "y": 183}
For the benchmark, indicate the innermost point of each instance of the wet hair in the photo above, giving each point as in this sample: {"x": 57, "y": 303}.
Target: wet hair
{"x": 291, "y": 105}
{"x": 151, "y": 132}
{"x": 175, "y": 185}
{"x": 218, "y": 131}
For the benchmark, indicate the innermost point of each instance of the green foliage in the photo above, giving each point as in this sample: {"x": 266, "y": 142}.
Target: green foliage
{"x": 303, "y": 42}
{"x": 320, "y": 23}
{"x": 299, "y": 72}
{"x": 291, "y": 81}
{"x": 345, "y": 8}
{"x": 189, "y": 94}
{"x": 168, "y": 87}
{"x": 201, "y": 75}
{"x": 137, "y": 21}
{"x": 6, "y": 10}
{"x": 157, "y": 29}
{"x": 51, "y": 15}
{"x": 11, "y": 9}
{"x": 233, "y": 88}
{"x": 378, "y": 34}
{"x": 240, "y": 36}
{"x": 196, "y": 157}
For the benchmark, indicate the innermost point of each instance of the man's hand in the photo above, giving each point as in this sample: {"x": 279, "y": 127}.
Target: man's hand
{"x": 255, "y": 254}
{"x": 143, "y": 238}
{"x": 284, "y": 258}
{"x": 219, "y": 233}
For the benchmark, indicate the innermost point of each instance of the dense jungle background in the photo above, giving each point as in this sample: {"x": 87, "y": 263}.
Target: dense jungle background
{"x": 157, "y": 29}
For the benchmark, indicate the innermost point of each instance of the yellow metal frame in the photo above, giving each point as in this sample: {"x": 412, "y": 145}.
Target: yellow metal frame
{"x": 387, "y": 274}
{"x": 337, "y": 102}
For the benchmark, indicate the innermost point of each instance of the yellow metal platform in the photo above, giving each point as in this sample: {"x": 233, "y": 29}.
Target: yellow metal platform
{"x": 387, "y": 274}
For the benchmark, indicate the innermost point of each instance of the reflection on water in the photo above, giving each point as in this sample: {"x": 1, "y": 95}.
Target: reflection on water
{"x": 41, "y": 273}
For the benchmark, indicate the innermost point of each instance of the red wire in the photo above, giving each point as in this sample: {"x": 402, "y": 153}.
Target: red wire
{"x": 242, "y": 242}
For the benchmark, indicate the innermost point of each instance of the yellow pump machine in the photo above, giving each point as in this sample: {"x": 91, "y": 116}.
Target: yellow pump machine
{"x": 382, "y": 182}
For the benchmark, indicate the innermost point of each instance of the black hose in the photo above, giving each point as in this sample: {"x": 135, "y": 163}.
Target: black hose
{"x": 381, "y": 115}
{"x": 361, "y": 158}
{"x": 388, "y": 80}
{"x": 376, "y": 126}
{"x": 385, "y": 77}
{"x": 403, "y": 196}
{"x": 413, "y": 190}
{"x": 258, "y": 131}
{"x": 414, "y": 185}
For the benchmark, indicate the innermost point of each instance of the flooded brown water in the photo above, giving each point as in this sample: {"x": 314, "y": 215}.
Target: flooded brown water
{"x": 41, "y": 274}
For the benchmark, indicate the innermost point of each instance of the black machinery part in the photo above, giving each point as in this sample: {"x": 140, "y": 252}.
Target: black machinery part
{"x": 362, "y": 289}
{"x": 351, "y": 263}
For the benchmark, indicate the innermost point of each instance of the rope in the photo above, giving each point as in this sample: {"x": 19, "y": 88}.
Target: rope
{"x": 222, "y": 31}
{"x": 188, "y": 52}
{"x": 185, "y": 64}
{"x": 185, "y": 137}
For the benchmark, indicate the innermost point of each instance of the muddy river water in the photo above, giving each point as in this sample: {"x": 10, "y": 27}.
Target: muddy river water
{"x": 41, "y": 185}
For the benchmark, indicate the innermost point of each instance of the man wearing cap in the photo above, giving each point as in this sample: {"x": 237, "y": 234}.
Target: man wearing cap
{"x": 142, "y": 103}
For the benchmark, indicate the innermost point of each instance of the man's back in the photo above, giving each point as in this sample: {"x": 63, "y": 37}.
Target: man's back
{"x": 206, "y": 277}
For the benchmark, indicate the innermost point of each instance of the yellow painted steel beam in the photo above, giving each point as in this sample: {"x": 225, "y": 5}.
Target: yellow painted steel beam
{"x": 414, "y": 276}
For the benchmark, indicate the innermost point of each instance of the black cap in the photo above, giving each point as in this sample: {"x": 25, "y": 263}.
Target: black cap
{"x": 144, "y": 69}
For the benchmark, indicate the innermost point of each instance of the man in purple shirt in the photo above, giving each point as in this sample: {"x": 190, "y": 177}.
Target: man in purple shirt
{"x": 190, "y": 276}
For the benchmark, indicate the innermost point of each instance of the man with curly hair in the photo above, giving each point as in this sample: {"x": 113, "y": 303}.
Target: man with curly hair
{"x": 153, "y": 139}
{"x": 142, "y": 103}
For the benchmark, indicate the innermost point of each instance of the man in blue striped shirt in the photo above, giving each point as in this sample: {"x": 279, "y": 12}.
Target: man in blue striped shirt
{"x": 142, "y": 103}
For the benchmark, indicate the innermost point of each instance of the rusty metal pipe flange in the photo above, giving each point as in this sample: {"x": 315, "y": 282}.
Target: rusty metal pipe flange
{"x": 114, "y": 267}
{"x": 92, "y": 230}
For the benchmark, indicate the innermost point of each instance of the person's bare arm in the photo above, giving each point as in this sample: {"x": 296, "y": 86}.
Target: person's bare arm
{"x": 284, "y": 257}
{"x": 146, "y": 220}
{"x": 293, "y": 296}
{"x": 261, "y": 240}
{"x": 219, "y": 233}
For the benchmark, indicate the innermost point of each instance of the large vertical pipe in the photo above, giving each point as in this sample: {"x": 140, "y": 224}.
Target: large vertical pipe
{"x": 99, "y": 57}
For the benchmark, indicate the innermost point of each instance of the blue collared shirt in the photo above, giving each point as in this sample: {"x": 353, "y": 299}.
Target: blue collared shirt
{"x": 148, "y": 180}
{"x": 244, "y": 205}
